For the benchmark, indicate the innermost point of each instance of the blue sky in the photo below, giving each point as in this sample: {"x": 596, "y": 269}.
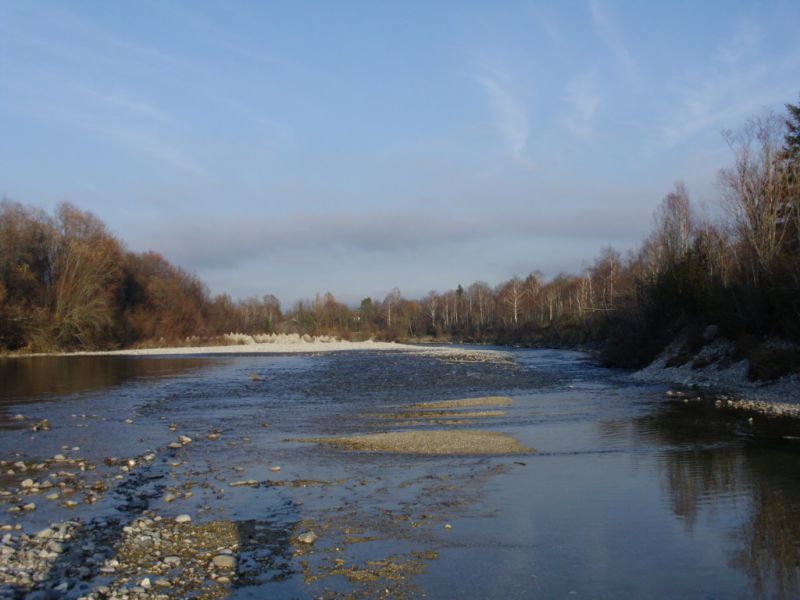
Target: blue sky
{"x": 294, "y": 147}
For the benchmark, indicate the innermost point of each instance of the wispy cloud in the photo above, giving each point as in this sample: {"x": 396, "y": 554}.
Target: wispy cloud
{"x": 734, "y": 84}
{"x": 583, "y": 97}
{"x": 122, "y": 117}
{"x": 606, "y": 28}
{"x": 509, "y": 113}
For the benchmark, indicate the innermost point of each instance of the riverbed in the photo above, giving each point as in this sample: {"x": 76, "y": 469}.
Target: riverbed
{"x": 214, "y": 477}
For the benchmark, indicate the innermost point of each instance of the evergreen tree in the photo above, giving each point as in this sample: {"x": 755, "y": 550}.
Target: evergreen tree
{"x": 792, "y": 139}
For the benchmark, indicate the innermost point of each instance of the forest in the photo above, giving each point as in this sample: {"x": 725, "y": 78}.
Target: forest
{"x": 66, "y": 283}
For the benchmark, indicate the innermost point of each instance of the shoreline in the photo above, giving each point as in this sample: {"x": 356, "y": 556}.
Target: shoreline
{"x": 723, "y": 382}
{"x": 291, "y": 346}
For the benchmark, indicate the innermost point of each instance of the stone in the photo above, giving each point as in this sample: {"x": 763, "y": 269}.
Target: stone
{"x": 248, "y": 482}
{"x": 29, "y": 506}
{"x": 224, "y": 561}
{"x": 275, "y": 469}
{"x": 308, "y": 537}
{"x": 145, "y": 583}
{"x": 172, "y": 561}
{"x": 27, "y": 483}
{"x": 170, "y": 498}
{"x": 710, "y": 332}
{"x": 184, "y": 439}
{"x": 183, "y": 519}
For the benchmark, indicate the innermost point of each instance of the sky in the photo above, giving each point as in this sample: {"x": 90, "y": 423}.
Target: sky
{"x": 300, "y": 147}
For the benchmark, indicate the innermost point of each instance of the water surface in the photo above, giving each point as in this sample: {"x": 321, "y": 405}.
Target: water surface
{"x": 629, "y": 495}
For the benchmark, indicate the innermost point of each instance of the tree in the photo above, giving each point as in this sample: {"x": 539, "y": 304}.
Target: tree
{"x": 674, "y": 225}
{"x": 757, "y": 192}
{"x": 792, "y": 138}
{"x": 391, "y": 300}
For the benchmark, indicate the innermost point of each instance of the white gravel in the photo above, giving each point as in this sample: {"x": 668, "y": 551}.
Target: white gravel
{"x": 722, "y": 375}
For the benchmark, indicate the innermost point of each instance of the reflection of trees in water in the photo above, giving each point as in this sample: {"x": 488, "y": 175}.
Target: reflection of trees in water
{"x": 692, "y": 478}
{"x": 770, "y": 553}
{"x": 706, "y": 461}
{"x": 31, "y": 379}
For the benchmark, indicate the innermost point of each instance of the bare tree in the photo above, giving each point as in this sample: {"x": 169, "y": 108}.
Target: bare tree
{"x": 756, "y": 190}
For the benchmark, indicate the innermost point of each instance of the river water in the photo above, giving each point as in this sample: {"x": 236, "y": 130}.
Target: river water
{"x": 629, "y": 494}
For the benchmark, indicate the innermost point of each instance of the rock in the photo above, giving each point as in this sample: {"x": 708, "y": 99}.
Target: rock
{"x": 170, "y": 498}
{"x": 175, "y": 445}
{"x": 184, "y": 439}
{"x": 18, "y": 417}
{"x": 145, "y": 583}
{"x": 248, "y": 482}
{"x": 448, "y": 526}
{"x": 29, "y": 506}
{"x": 59, "y": 457}
{"x": 224, "y": 561}
{"x": 162, "y": 582}
{"x": 183, "y": 519}
{"x": 275, "y": 469}
{"x": 172, "y": 561}
{"x": 308, "y": 537}
{"x": 213, "y": 436}
{"x": 27, "y": 483}
{"x": 129, "y": 421}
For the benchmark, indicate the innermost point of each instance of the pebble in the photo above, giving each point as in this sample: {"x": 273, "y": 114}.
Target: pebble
{"x": 248, "y": 482}
{"x": 224, "y": 561}
{"x": 29, "y": 506}
{"x": 308, "y": 537}
{"x": 448, "y": 526}
{"x": 184, "y": 439}
{"x": 275, "y": 469}
{"x": 183, "y": 519}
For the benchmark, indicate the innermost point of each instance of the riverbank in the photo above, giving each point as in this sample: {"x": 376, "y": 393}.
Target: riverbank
{"x": 283, "y": 344}
{"x": 716, "y": 374}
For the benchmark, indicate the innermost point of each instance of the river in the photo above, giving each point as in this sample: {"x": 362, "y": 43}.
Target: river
{"x": 629, "y": 494}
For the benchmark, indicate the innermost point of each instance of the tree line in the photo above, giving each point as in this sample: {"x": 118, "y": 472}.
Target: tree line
{"x": 66, "y": 283}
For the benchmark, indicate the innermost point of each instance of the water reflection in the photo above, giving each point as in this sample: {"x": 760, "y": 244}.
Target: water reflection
{"x": 720, "y": 469}
{"x": 32, "y": 379}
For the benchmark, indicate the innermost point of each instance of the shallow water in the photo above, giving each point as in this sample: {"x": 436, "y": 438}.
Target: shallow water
{"x": 628, "y": 496}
